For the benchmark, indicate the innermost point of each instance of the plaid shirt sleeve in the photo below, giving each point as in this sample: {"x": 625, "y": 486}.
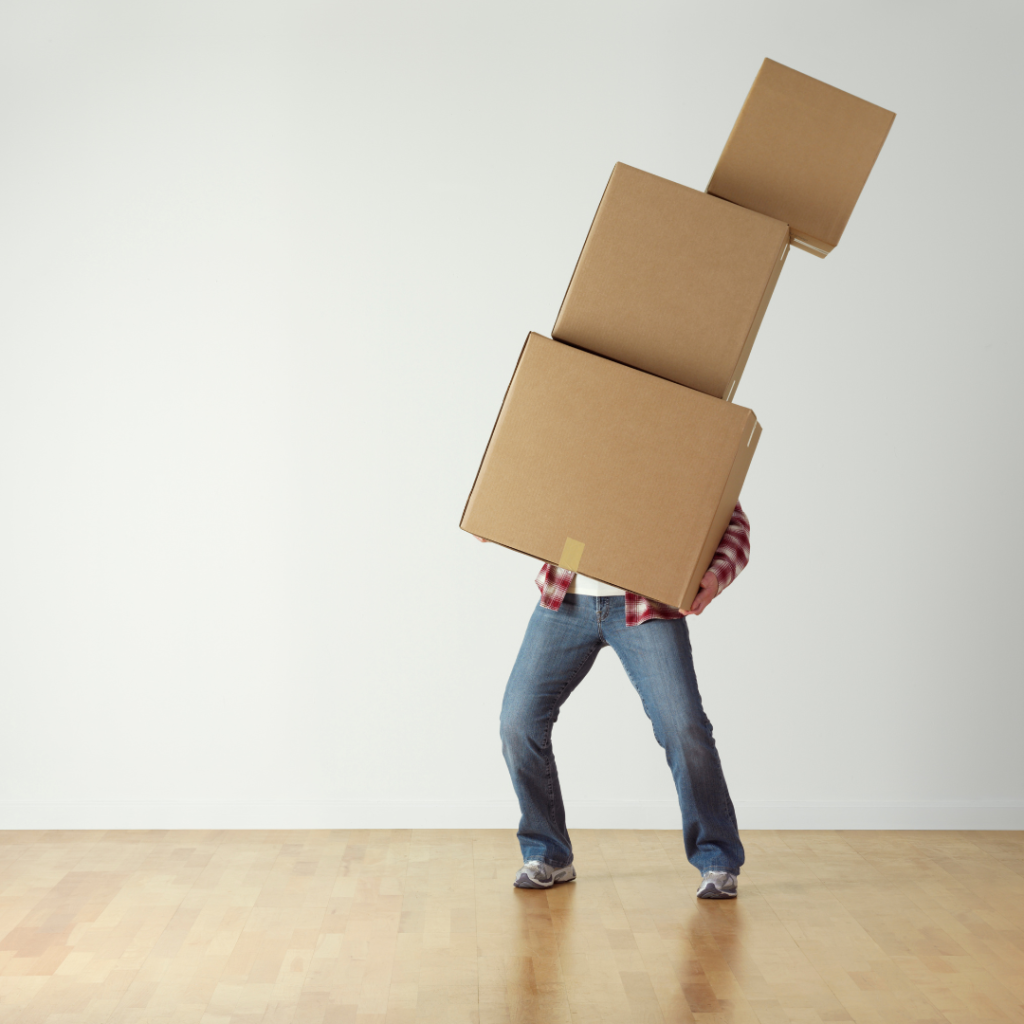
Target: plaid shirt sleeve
{"x": 733, "y": 550}
{"x": 728, "y": 562}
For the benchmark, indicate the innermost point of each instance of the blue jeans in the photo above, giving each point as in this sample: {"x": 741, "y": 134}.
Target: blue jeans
{"x": 558, "y": 651}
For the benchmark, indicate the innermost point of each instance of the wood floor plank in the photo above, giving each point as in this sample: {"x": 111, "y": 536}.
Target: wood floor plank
{"x": 423, "y": 927}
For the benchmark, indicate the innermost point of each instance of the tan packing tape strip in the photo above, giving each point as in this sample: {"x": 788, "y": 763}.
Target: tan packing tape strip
{"x": 572, "y": 551}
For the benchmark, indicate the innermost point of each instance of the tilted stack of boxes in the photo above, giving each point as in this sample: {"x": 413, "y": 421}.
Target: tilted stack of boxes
{"x": 618, "y": 452}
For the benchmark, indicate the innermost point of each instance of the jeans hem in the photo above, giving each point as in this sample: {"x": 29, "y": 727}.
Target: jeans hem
{"x": 550, "y": 863}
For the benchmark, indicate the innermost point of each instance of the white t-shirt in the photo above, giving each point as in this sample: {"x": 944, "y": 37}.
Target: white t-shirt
{"x": 593, "y": 588}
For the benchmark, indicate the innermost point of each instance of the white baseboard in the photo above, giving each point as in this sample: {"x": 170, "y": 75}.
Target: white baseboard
{"x": 434, "y": 814}
{"x": 1001, "y": 815}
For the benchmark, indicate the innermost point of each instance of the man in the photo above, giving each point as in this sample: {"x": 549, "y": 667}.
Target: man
{"x": 574, "y": 619}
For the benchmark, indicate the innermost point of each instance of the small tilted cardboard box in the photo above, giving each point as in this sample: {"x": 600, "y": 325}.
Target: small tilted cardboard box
{"x": 612, "y": 472}
{"x": 673, "y": 281}
{"x": 801, "y": 151}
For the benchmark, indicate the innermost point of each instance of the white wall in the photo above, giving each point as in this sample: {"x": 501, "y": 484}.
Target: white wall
{"x": 265, "y": 272}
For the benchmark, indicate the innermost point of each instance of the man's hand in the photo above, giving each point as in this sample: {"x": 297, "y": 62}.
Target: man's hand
{"x": 707, "y": 593}
{"x": 482, "y": 541}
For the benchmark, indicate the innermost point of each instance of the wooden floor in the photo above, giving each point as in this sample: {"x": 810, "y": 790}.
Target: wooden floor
{"x": 417, "y": 926}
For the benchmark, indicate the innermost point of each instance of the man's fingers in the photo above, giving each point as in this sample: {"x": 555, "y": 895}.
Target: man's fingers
{"x": 706, "y": 594}
{"x": 710, "y": 582}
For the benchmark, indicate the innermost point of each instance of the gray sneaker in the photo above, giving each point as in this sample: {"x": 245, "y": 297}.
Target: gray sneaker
{"x": 535, "y": 874}
{"x": 717, "y": 885}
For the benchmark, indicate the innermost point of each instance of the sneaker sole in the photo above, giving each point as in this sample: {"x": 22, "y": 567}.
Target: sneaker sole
{"x": 526, "y": 882}
{"x": 712, "y": 892}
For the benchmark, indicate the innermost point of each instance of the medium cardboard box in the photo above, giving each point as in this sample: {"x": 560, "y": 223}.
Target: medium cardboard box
{"x": 615, "y": 473}
{"x": 801, "y": 151}
{"x": 673, "y": 281}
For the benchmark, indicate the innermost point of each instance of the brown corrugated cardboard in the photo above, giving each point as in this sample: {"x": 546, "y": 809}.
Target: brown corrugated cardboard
{"x": 801, "y": 151}
{"x": 673, "y": 281}
{"x": 623, "y": 476}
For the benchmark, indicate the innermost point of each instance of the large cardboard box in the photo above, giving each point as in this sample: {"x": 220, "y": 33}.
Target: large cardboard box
{"x": 801, "y": 151}
{"x": 673, "y": 281}
{"x": 615, "y": 473}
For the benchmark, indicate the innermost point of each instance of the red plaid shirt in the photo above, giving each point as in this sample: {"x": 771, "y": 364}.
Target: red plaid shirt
{"x": 732, "y": 555}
